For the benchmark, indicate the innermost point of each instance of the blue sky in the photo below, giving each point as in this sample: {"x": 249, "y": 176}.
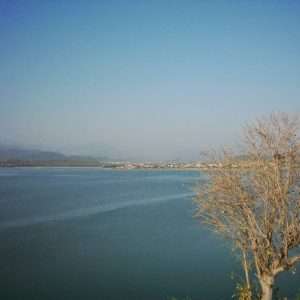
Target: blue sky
{"x": 144, "y": 79}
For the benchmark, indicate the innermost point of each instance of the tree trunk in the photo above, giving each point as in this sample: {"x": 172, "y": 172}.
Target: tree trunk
{"x": 246, "y": 270}
{"x": 266, "y": 284}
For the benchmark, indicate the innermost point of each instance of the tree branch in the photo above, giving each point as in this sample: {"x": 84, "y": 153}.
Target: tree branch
{"x": 289, "y": 263}
{"x": 293, "y": 260}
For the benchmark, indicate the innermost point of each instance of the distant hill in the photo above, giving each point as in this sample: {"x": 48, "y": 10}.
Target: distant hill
{"x": 9, "y": 153}
{"x": 14, "y": 156}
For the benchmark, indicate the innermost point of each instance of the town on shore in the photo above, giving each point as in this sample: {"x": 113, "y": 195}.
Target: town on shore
{"x": 17, "y": 157}
{"x": 118, "y": 165}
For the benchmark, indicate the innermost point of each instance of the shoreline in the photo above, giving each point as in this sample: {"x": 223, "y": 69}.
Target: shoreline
{"x": 101, "y": 168}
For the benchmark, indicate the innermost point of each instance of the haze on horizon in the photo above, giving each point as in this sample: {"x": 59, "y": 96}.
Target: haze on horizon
{"x": 144, "y": 79}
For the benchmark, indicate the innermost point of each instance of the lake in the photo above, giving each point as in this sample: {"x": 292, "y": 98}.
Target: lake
{"x": 88, "y": 233}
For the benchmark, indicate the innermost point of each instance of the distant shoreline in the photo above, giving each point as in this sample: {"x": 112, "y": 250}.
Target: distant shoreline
{"x": 102, "y": 168}
{"x": 120, "y": 165}
{"x": 110, "y": 165}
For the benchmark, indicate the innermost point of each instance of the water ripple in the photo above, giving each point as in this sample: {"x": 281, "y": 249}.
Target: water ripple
{"x": 83, "y": 212}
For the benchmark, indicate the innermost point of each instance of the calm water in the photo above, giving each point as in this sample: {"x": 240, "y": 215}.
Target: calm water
{"x": 111, "y": 235}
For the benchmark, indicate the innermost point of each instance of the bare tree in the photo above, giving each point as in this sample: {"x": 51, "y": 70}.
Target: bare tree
{"x": 254, "y": 199}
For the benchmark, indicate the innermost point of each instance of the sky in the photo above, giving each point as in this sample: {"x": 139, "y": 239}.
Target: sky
{"x": 144, "y": 80}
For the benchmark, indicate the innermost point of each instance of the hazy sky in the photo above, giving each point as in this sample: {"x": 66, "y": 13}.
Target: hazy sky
{"x": 144, "y": 79}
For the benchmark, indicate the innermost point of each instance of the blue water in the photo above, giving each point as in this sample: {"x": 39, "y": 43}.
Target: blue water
{"x": 68, "y": 233}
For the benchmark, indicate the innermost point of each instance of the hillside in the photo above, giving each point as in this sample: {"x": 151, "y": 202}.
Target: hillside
{"x": 14, "y": 156}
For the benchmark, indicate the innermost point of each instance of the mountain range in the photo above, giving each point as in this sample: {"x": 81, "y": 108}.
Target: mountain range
{"x": 17, "y": 153}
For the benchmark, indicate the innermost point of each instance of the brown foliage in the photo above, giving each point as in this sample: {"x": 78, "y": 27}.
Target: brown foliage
{"x": 258, "y": 207}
